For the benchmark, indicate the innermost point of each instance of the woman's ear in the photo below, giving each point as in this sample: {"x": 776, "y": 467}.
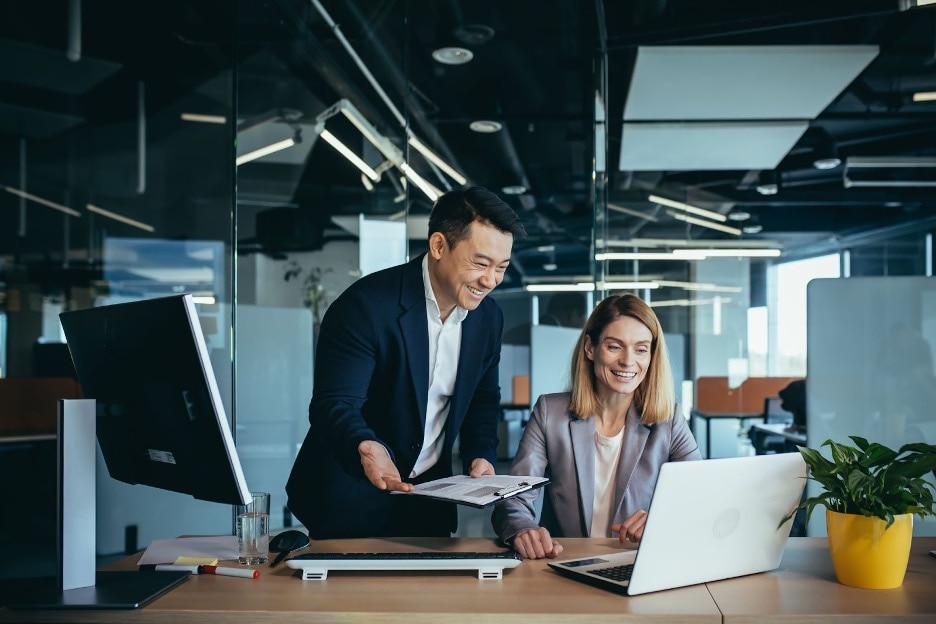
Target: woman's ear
{"x": 589, "y": 349}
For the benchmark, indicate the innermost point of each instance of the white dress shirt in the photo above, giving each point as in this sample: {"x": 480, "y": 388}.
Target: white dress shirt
{"x": 444, "y": 348}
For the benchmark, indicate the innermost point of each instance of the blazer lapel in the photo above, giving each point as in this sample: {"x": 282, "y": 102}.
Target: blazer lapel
{"x": 635, "y": 439}
{"x": 582, "y": 432}
{"x": 415, "y": 329}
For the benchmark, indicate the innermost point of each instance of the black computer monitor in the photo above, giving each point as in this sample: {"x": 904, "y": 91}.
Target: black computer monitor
{"x": 159, "y": 421}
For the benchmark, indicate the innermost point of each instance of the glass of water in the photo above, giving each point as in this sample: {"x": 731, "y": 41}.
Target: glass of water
{"x": 253, "y": 529}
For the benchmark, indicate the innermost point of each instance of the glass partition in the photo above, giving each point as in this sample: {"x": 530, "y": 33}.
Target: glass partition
{"x": 322, "y": 199}
{"x": 116, "y": 184}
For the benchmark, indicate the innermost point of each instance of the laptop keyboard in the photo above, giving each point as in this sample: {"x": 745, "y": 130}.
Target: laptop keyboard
{"x": 617, "y": 573}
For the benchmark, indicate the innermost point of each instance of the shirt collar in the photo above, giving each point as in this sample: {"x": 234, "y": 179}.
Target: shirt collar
{"x": 459, "y": 312}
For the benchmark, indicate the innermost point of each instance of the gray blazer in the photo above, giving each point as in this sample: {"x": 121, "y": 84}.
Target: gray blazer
{"x": 560, "y": 446}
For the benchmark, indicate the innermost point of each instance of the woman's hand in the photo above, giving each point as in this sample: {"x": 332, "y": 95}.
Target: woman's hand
{"x": 536, "y": 544}
{"x": 631, "y": 530}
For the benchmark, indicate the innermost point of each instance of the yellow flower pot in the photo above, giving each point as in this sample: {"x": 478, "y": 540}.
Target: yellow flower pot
{"x": 866, "y": 555}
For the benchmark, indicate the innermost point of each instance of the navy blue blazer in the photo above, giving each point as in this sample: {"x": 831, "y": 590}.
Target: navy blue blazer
{"x": 372, "y": 383}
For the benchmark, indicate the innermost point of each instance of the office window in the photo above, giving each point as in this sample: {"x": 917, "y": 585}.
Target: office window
{"x": 757, "y": 341}
{"x": 788, "y": 355}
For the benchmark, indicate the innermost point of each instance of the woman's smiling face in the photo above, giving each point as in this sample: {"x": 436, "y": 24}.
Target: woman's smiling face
{"x": 621, "y": 357}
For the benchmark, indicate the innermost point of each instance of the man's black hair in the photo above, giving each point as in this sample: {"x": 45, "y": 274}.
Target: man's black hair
{"x": 454, "y": 212}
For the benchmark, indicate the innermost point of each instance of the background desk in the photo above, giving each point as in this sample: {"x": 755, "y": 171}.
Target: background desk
{"x": 696, "y": 416}
{"x": 769, "y": 436}
{"x": 802, "y": 590}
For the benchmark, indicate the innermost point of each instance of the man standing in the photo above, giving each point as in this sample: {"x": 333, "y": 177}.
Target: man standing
{"x": 407, "y": 360}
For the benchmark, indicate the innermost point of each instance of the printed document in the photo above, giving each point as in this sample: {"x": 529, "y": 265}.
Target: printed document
{"x": 476, "y": 491}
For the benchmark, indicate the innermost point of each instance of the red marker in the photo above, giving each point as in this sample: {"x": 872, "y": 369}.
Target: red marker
{"x": 242, "y": 572}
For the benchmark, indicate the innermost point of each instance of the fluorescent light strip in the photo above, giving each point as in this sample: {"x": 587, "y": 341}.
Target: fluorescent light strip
{"x": 121, "y": 218}
{"x": 681, "y": 242}
{"x": 589, "y": 286}
{"x": 44, "y": 202}
{"x": 433, "y": 158}
{"x": 353, "y": 158}
{"x": 580, "y": 287}
{"x": 698, "y": 286}
{"x": 204, "y": 299}
{"x": 727, "y": 253}
{"x": 265, "y": 151}
{"x": 689, "y": 254}
{"x": 423, "y": 185}
{"x": 688, "y": 302}
{"x": 212, "y": 119}
{"x": 632, "y": 212}
{"x": 390, "y": 151}
{"x": 702, "y": 212}
{"x": 708, "y": 224}
{"x": 645, "y": 255}
{"x": 630, "y": 285}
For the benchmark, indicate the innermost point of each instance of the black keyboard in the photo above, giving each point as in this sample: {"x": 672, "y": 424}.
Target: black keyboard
{"x": 617, "y": 573}
{"x": 490, "y": 565}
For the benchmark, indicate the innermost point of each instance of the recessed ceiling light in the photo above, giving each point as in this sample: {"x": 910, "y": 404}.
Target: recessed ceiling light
{"x": 453, "y": 55}
{"x": 486, "y": 126}
{"x": 752, "y": 229}
{"x": 769, "y": 188}
{"x": 550, "y": 266}
{"x": 827, "y": 163}
{"x": 515, "y": 189}
{"x": 739, "y": 215}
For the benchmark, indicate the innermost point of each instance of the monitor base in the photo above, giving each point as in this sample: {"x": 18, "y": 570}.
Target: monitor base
{"x": 111, "y": 590}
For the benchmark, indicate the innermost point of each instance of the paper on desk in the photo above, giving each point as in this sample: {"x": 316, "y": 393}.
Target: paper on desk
{"x": 476, "y": 491}
{"x": 168, "y": 550}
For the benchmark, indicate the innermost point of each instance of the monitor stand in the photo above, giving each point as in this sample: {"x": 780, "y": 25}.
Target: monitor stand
{"x": 77, "y": 585}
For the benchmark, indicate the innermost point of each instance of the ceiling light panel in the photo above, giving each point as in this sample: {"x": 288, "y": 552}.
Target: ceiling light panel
{"x": 708, "y": 146}
{"x": 741, "y": 82}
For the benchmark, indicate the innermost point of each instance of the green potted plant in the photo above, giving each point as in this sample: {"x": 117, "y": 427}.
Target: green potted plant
{"x": 871, "y": 495}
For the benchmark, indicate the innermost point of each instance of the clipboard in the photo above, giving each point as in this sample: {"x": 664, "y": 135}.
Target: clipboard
{"x": 477, "y": 492}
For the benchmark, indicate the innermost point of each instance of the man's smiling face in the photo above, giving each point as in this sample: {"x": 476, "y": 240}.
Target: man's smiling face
{"x": 464, "y": 274}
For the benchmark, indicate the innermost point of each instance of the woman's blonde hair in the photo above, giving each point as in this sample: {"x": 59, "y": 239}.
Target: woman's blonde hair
{"x": 655, "y": 398}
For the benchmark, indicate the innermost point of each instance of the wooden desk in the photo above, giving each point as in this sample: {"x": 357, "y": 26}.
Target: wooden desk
{"x": 804, "y": 589}
{"x": 531, "y": 593}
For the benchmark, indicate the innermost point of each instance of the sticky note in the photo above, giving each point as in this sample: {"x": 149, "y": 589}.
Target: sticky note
{"x": 195, "y": 561}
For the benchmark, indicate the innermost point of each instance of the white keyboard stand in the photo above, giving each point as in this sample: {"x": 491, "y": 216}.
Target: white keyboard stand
{"x": 487, "y": 568}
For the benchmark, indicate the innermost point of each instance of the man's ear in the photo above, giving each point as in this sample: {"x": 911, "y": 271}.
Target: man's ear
{"x": 437, "y": 245}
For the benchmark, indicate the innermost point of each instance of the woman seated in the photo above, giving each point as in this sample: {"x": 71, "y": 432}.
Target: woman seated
{"x": 603, "y": 443}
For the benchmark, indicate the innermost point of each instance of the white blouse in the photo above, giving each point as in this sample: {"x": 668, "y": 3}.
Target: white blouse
{"x": 607, "y": 456}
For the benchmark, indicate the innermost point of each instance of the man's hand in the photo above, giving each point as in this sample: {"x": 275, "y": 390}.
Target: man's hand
{"x": 481, "y": 467}
{"x": 536, "y": 544}
{"x": 379, "y": 468}
{"x": 631, "y": 530}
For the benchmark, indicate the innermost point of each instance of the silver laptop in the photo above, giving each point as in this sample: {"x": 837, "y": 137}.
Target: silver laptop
{"x": 708, "y": 520}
